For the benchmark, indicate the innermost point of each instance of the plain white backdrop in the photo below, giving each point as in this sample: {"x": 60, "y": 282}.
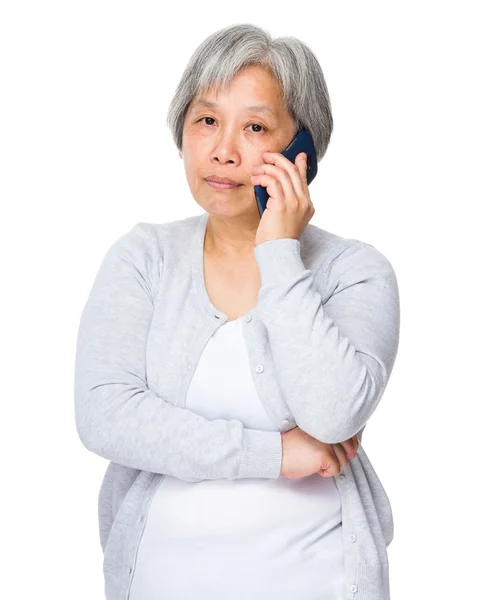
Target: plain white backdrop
{"x": 86, "y": 154}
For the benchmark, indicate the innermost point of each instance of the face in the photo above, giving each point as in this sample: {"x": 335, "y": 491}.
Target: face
{"x": 229, "y": 138}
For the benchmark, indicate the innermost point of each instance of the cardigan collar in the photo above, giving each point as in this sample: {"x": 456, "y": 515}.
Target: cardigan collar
{"x": 197, "y": 263}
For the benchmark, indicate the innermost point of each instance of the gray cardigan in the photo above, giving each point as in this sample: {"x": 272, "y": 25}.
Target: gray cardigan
{"x": 322, "y": 343}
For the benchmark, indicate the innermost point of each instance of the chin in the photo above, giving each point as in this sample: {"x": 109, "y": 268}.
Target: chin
{"x": 227, "y": 204}
{"x": 232, "y": 209}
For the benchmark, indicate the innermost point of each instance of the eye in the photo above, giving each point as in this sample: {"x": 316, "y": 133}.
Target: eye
{"x": 206, "y": 118}
{"x": 252, "y": 124}
{"x": 258, "y": 125}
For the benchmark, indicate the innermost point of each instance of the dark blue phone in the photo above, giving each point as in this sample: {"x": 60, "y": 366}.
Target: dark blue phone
{"x": 302, "y": 142}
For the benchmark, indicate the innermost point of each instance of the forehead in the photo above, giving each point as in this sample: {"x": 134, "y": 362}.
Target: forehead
{"x": 253, "y": 86}
{"x": 258, "y": 108}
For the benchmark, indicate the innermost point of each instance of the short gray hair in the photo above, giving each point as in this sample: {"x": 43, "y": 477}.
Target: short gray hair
{"x": 293, "y": 64}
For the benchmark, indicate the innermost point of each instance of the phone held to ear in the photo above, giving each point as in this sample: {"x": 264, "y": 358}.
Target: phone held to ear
{"x": 302, "y": 142}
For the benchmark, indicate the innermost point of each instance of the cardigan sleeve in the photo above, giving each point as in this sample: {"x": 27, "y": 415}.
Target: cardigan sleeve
{"x": 333, "y": 356}
{"x": 117, "y": 416}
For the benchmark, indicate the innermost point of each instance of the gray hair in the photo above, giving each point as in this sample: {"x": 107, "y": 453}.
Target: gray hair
{"x": 293, "y": 64}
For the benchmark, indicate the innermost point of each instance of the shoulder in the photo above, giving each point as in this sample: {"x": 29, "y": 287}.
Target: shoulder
{"x": 141, "y": 248}
{"x": 161, "y": 236}
{"x": 154, "y": 240}
{"x": 334, "y": 257}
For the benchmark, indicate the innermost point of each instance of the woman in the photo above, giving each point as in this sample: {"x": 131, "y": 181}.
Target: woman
{"x": 227, "y": 365}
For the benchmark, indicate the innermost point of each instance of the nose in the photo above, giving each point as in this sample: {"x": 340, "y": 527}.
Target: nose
{"x": 226, "y": 150}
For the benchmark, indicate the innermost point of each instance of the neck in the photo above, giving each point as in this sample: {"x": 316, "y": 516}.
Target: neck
{"x": 231, "y": 238}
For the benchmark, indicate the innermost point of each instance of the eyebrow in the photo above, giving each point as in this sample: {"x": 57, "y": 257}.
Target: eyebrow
{"x": 256, "y": 107}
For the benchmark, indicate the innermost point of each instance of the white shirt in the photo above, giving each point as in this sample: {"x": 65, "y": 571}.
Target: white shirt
{"x": 249, "y": 538}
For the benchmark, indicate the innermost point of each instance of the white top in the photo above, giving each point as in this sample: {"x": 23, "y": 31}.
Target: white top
{"x": 244, "y": 538}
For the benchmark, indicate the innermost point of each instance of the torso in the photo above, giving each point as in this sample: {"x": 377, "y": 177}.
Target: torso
{"x": 232, "y": 287}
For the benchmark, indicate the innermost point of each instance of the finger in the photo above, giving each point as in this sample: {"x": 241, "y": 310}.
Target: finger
{"x": 331, "y": 465}
{"x": 304, "y": 196}
{"x": 356, "y": 442}
{"x": 272, "y": 185}
{"x": 341, "y": 454}
{"x": 303, "y": 166}
{"x": 352, "y": 446}
{"x": 349, "y": 447}
{"x": 288, "y": 191}
{"x": 293, "y": 169}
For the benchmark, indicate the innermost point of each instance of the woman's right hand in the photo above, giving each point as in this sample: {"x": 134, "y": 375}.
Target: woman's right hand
{"x": 304, "y": 455}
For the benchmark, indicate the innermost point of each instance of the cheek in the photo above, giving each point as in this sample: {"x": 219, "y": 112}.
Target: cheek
{"x": 195, "y": 145}
{"x": 195, "y": 133}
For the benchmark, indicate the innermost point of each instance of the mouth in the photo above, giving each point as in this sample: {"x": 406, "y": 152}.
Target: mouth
{"x": 222, "y": 186}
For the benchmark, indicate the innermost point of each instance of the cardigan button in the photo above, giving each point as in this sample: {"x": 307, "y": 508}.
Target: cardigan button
{"x": 247, "y": 318}
{"x": 354, "y": 588}
{"x": 259, "y": 368}
{"x": 352, "y": 537}
{"x": 285, "y": 423}
{"x": 341, "y": 477}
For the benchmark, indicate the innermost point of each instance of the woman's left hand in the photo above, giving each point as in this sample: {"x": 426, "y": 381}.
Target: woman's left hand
{"x": 289, "y": 208}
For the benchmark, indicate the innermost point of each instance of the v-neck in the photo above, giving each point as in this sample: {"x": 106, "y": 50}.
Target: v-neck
{"x": 199, "y": 274}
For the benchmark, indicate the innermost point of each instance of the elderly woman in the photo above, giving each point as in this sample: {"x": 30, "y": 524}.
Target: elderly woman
{"x": 227, "y": 364}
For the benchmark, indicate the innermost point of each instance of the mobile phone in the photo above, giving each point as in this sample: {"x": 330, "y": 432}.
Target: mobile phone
{"x": 302, "y": 142}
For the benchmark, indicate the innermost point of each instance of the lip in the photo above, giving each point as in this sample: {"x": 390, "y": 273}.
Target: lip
{"x": 220, "y": 179}
{"x": 220, "y": 185}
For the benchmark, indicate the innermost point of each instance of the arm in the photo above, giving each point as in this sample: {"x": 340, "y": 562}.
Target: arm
{"x": 118, "y": 417}
{"x": 333, "y": 358}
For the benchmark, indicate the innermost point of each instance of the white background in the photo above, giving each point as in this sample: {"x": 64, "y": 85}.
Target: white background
{"x": 86, "y": 154}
